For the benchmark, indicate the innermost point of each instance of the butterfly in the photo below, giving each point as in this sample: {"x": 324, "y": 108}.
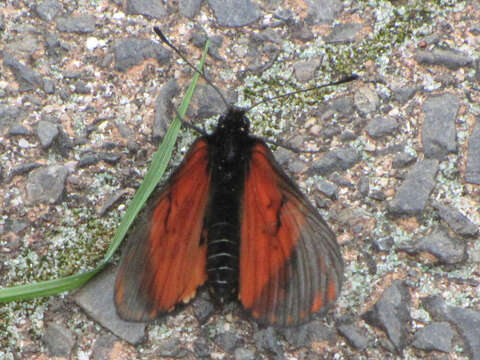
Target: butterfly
{"x": 230, "y": 218}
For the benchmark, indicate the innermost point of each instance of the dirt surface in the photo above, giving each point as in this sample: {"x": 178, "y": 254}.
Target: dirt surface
{"x": 85, "y": 97}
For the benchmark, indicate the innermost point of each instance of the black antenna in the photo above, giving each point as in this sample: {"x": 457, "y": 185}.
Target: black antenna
{"x": 170, "y": 45}
{"x": 344, "y": 80}
{"x": 164, "y": 39}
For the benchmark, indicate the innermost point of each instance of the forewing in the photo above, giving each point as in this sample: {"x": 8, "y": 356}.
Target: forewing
{"x": 165, "y": 258}
{"x": 290, "y": 262}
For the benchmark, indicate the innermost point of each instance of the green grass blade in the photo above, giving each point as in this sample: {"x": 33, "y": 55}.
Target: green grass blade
{"x": 154, "y": 174}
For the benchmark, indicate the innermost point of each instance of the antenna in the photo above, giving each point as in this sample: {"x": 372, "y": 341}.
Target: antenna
{"x": 344, "y": 80}
{"x": 202, "y": 74}
{"x": 164, "y": 39}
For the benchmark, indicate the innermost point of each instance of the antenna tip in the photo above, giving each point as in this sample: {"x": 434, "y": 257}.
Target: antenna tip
{"x": 351, "y": 77}
{"x": 160, "y": 34}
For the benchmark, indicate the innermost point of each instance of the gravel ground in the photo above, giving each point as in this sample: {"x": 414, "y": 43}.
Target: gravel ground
{"x": 86, "y": 93}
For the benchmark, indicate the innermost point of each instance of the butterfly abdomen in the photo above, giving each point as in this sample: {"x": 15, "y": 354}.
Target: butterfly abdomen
{"x": 229, "y": 153}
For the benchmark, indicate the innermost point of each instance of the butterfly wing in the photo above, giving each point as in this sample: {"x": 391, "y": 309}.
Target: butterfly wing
{"x": 165, "y": 259}
{"x": 290, "y": 262}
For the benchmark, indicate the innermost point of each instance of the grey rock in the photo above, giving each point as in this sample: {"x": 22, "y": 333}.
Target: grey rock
{"x": 47, "y": 10}
{"x": 28, "y": 78}
{"x": 322, "y": 11}
{"x": 477, "y": 70}
{"x": 103, "y": 346}
{"x": 330, "y": 131}
{"x": 436, "y": 307}
{"x": 48, "y": 86}
{"x": 267, "y": 35}
{"x": 364, "y": 186}
{"x": 377, "y": 195}
{"x": 343, "y": 33}
{"x": 64, "y": 93}
{"x": 459, "y": 223}
{"x": 347, "y": 136}
{"x": 448, "y": 250}
{"x": 63, "y": 144}
{"x": 383, "y": 244}
{"x": 466, "y": 320}
{"x": 391, "y": 314}
{"x": 305, "y": 70}
{"x": 317, "y": 332}
{"x": 402, "y": 160}
{"x": 439, "y": 131}
{"x": 354, "y": 336}
{"x": 267, "y": 340}
{"x": 434, "y": 337}
{"x": 472, "y": 170}
{"x": 244, "y": 354}
{"x": 53, "y": 42}
{"x": 227, "y": 341}
{"x": 208, "y": 101}
{"x": 58, "y": 339}
{"x": 87, "y": 160}
{"x": 130, "y": 52}
{"x": 110, "y": 158}
{"x": 327, "y": 188}
{"x": 452, "y": 59}
{"x": 354, "y": 218}
{"x": 56, "y": 48}
{"x": 300, "y": 31}
{"x": 200, "y": 37}
{"x": 32, "y": 99}
{"x": 170, "y": 348}
{"x": 341, "y": 181}
{"x": 96, "y": 298}
{"x": 403, "y": 94}
{"x": 46, "y": 184}
{"x": 366, "y": 100}
{"x": 19, "y": 130}
{"x": 304, "y": 335}
{"x": 24, "y": 46}
{"x": 296, "y": 166}
{"x": 189, "y": 8}
{"x": 337, "y": 159}
{"x": 284, "y": 15}
{"x": 76, "y": 24}
{"x": 124, "y": 130}
{"x": 235, "y": 13}
{"x": 321, "y": 202}
{"x": 82, "y": 88}
{"x": 202, "y": 308}
{"x": 164, "y": 109}
{"x": 17, "y": 225}
{"x": 111, "y": 201}
{"x": 413, "y": 194}
{"x": 133, "y": 146}
{"x": 151, "y": 8}
{"x": 381, "y": 126}
{"x": 343, "y": 105}
{"x": 9, "y": 115}
{"x": 46, "y": 133}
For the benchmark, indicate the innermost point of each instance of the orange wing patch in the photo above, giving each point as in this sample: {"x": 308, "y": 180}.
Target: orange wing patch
{"x": 165, "y": 260}
{"x": 290, "y": 262}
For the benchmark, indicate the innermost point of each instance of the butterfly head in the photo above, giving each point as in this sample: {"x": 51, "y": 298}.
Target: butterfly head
{"x": 233, "y": 122}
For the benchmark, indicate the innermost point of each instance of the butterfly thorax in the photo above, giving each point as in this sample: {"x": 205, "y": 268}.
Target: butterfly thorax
{"x": 230, "y": 146}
